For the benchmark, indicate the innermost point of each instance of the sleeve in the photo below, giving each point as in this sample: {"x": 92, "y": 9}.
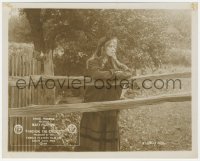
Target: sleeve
{"x": 125, "y": 72}
{"x": 97, "y": 73}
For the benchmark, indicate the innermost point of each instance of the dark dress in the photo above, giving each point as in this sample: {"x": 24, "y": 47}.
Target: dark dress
{"x": 99, "y": 131}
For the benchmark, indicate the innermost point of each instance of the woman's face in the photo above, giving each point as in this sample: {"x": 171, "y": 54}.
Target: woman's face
{"x": 111, "y": 47}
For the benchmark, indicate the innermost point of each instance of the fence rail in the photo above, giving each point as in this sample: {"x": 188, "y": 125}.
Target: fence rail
{"x": 68, "y": 79}
{"x": 42, "y": 110}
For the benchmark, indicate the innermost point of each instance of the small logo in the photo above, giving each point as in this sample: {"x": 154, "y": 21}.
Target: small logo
{"x": 72, "y": 129}
{"x": 18, "y": 129}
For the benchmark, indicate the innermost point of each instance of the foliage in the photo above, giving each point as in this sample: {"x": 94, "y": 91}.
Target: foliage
{"x": 144, "y": 35}
{"x": 19, "y": 29}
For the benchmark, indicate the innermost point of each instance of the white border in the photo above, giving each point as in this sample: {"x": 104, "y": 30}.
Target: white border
{"x": 100, "y": 5}
{"x": 101, "y": 1}
{"x": 184, "y": 154}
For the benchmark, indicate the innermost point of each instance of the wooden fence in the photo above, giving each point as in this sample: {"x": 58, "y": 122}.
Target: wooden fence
{"x": 24, "y": 104}
{"x": 22, "y": 65}
{"x": 42, "y": 110}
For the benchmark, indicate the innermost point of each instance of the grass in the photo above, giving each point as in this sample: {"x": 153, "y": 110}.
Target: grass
{"x": 160, "y": 127}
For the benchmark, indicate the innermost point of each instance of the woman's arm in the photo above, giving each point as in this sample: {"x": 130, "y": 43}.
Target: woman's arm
{"x": 124, "y": 72}
{"x": 97, "y": 73}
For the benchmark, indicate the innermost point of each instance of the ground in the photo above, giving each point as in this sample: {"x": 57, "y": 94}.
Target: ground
{"x": 160, "y": 127}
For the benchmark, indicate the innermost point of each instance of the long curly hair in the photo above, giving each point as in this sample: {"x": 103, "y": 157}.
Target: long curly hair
{"x": 100, "y": 52}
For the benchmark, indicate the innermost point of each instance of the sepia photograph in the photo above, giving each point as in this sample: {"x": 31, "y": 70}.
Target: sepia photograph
{"x": 100, "y": 78}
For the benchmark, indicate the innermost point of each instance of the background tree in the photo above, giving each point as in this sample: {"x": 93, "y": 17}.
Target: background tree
{"x": 146, "y": 37}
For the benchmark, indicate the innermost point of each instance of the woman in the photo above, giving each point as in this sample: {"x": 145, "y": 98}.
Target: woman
{"x": 99, "y": 130}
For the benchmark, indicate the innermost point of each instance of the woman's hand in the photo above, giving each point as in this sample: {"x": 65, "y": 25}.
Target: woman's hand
{"x": 118, "y": 72}
{"x": 122, "y": 74}
{"x": 124, "y": 67}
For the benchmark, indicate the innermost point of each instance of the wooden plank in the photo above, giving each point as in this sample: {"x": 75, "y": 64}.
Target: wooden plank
{"x": 32, "y": 100}
{"x": 39, "y": 94}
{"x": 14, "y": 122}
{"x": 26, "y": 96}
{"x": 11, "y": 120}
{"x": 12, "y": 134}
{"x": 13, "y": 65}
{"x": 20, "y": 66}
{"x": 32, "y": 95}
{"x": 29, "y": 95}
{"x": 19, "y": 139}
{"x": 10, "y": 140}
{"x": 9, "y": 96}
{"x": 23, "y": 118}
{"x": 25, "y": 140}
{"x": 12, "y": 97}
{"x": 10, "y": 64}
{"x": 16, "y": 104}
{"x": 27, "y": 127}
{"x": 20, "y": 97}
{"x": 35, "y": 96}
{"x": 42, "y": 110}
{"x": 23, "y": 134}
{"x": 33, "y": 64}
{"x": 30, "y": 127}
{"x": 19, "y": 104}
{"x": 23, "y": 66}
{"x": 15, "y": 136}
{"x": 27, "y": 65}
{"x": 68, "y": 79}
{"x": 16, "y": 65}
{"x": 30, "y": 67}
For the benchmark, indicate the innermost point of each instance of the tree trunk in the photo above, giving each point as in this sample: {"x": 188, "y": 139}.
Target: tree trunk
{"x": 48, "y": 63}
{"x": 33, "y": 16}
